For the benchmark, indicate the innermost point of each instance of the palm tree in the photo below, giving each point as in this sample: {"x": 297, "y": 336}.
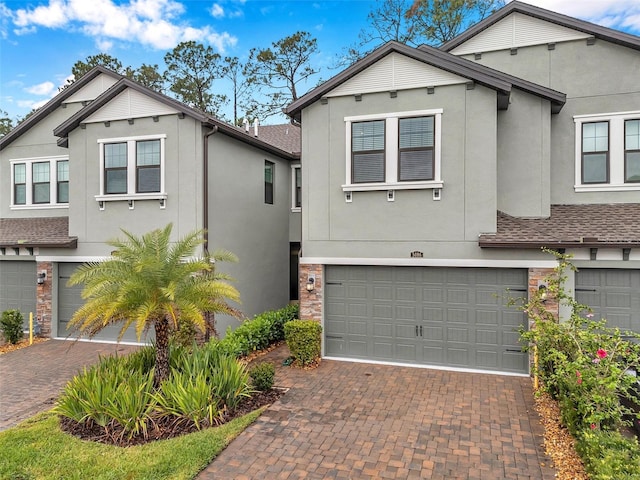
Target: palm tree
{"x": 149, "y": 281}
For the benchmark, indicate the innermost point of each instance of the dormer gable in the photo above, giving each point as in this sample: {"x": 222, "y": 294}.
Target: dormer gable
{"x": 130, "y": 104}
{"x": 92, "y": 89}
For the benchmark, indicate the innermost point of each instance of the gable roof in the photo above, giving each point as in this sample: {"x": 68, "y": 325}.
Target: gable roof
{"x": 570, "y": 226}
{"x": 54, "y": 103}
{"x": 36, "y": 232}
{"x": 124, "y": 83}
{"x": 498, "y": 81}
{"x": 597, "y": 31}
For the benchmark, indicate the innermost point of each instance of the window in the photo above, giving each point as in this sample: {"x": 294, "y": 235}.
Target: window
{"x": 595, "y": 152}
{"x": 368, "y": 159}
{"x": 607, "y": 152}
{"x": 132, "y": 168}
{"x": 416, "y": 149}
{"x": 269, "y": 168}
{"x": 40, "y": 182}
{"x": 394, "y": 151}
{"x": 632, "y": 151}
{"x": 296, "y": 188}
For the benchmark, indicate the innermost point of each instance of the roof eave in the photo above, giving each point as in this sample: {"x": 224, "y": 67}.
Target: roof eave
{"x": 72, "y": 243}
{"x": 558, "y": 244}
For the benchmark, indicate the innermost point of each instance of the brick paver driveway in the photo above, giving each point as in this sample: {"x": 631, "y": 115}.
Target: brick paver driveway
{"x": 32, "y": 378}
{"x": 363, "y": 421}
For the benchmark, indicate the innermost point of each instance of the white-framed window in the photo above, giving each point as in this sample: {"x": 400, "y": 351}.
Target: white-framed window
{"x": 40, "y": 182}
{"x": 269, "y": 181}
{"x": 132, "y": 168}
{"x": 393, "y": 151}
{"x": 607, "y": 147}
{"x": 296, "y": 188}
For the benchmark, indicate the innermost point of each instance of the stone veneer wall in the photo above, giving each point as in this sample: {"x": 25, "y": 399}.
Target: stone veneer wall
{"x": 540, "y": 275}
{"x": 44, "y": 299}
{"x": 311, "y": 302}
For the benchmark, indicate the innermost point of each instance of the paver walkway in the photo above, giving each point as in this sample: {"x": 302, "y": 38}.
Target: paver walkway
{"x": 363, "y": 421}
{"x": 32, "y": 378}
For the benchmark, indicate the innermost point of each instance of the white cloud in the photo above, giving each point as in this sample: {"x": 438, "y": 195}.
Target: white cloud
{"x": 5, "y": 18}
{"x": 45, "y": 88}
{"x": 153, "y": 23}
{"x": 217, "y": 11}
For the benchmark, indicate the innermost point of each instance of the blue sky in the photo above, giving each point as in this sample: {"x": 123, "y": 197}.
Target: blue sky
{"x": 40, "y": 40}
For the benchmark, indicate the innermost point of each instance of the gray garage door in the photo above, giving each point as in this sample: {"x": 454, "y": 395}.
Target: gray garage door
{"x": 612, "y": 294}
{"x": 18, "y": 287}
{"x": 454, "y": 317}
{"x": 70, "y": 299}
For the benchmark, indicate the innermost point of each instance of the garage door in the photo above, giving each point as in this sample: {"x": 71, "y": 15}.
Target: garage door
{"x": 70, "y": 299}
{"x": 452, "y": 317}
{"x": 612, "y": 294}
{"x": 18, "y": 287}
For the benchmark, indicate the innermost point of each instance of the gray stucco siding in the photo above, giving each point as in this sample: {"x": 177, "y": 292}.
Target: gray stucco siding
{"x": 241, "y": 221}
{"x": 468, "y": 165}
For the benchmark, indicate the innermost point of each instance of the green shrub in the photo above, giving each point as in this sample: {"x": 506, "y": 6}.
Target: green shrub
{"x": 11, "y": 325}
{"x": 609, "y": 455}
{"x": 262, "y": 376}
{"x": 303, "y": 340}
{"x": 229, "y": 381}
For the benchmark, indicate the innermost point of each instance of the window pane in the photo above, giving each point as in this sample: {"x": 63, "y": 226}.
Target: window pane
{"x": 416, "y": 132}
{"x": 149, "y": 179}
{"x": 63, "y": 171}
{"x": 632, "y": 167}
{"x": 20, "y": 194}
{"x": 594, "y": 168}
{"x": 40, "y": 172}
{"x": 63, "y": 192}
{"x": 367, "y": 136}
{"x": 40, "y": 193}
{"x": 20, "y": 173}
{"x": 116, "y": 181}
{"x": 298, "y": 194}
{"x": 632, "y": 134}
{"x": 595, "y": 137}
{"x": 115, "y": 155}
{"x": 268, "y": 182}
{"x": 368, "y": 167}
{"x": 148, "y": 152}
{"x": 416, "y": 165}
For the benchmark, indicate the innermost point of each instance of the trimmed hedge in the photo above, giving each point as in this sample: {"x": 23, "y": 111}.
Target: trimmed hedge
{"x": 262, "y": 376}
{"x": 303, "y": 339}
{"x": 257, "y": 333}
{"x": 11, "y": 325}
{"x": 609, "y": 455}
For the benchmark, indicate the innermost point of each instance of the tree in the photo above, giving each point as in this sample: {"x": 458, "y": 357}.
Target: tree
{"x": 278, "y": 71}
{"x": 6, "y": 123}
{"x": 192, "y": 70}
{"x": 150, "y": 282}
{"x": 149, "y": 76}
{"x": 416, "y": 22}
{"x": 241, "y": 88}
{"x": 80, "y": 68}
{"x": 438, "y": 21}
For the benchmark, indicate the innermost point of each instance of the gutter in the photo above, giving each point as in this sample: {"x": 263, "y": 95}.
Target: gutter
{"x": 205, "y": 186}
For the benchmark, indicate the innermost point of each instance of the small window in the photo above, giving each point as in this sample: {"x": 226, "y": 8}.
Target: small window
{"x": 115, "y": 168}
{"x": 269, "y": 170}
{"x": 368, "y": 151}
{"x": 148, "y": 166}
{"x": 41, "y": 187}
{"x": 20, "y": 184}
{"x": 632, "y": 151}
{"x": 62, "y": 189}
{"x": 595, "y": 152}
{"x": 297, "y": 191}
{"x": 415, "y": 154}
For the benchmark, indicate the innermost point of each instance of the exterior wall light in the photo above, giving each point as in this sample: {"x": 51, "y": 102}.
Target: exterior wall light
{"x": 544, "y": 292}
{"x": 311, "y": 284}
{"x": 42, "y": 276}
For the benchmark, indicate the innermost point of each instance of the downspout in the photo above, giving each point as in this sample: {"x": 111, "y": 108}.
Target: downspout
{"x": 205, "y": 186}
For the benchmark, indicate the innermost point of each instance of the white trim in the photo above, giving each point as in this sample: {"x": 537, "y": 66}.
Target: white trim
{"x": 428, "y": 367}
{"x": 132, "y": 139}
{"x": 429, "y": 262}
{"x": 616, "y": 152}
{"x": 93, "y": 340}
{"x": 40, "y": 206}
{"x": 53, "y": 183}
{"x": 391, "y": 136}
{"x": 294, "y": 208}
{"x": 67, "y": 259}
{"x": 130, "y": 196}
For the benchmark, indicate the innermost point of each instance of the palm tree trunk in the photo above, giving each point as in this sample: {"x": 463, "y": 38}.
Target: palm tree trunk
{"x": 162, "y": 351}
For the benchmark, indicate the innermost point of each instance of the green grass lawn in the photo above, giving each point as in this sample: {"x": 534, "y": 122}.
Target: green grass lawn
{"x": 38, "y": 449}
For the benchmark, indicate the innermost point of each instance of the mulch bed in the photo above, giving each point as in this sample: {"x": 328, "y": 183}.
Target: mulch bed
{"x": 162, "y": 429}
{"x": 10, "y": 347}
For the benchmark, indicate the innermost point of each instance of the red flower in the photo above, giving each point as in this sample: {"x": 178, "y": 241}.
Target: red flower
{"x": 601, "y": 353}
{"x": 579, "y": 381}
{"x": 593, "y": 426}
{"x": 578, "y": 374}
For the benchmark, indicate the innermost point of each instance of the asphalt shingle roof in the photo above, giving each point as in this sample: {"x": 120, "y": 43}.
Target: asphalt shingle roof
{"x": 36, "y": 232}
{"x": 570, "y": 226}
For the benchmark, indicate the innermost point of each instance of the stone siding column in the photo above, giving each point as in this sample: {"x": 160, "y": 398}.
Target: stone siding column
{"x": 538, "y": 276}
{"x": 44, "y": 294}
{"x": 311, "y": 302}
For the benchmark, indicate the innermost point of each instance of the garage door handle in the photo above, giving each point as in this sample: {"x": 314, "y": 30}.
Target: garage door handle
{"x": 586, "y": 290}
{"x": 517, "y": 289}
{"x": 513, "y": 350}
{"x": 334, "y": 336}
{"x": 418, "y": 331}
{"x": 333, "y": 283}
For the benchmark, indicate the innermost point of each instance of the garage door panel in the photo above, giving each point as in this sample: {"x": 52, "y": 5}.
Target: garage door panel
{"x": 618, "y": 300}
{"x": 18, "y": 287}
{"x": 357, "y": 310}
{"x": 334, "y": 346}
{"x": 439, "y": 316}
{"x": 357, "y": 291}
{"x": 358, "y": 328}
